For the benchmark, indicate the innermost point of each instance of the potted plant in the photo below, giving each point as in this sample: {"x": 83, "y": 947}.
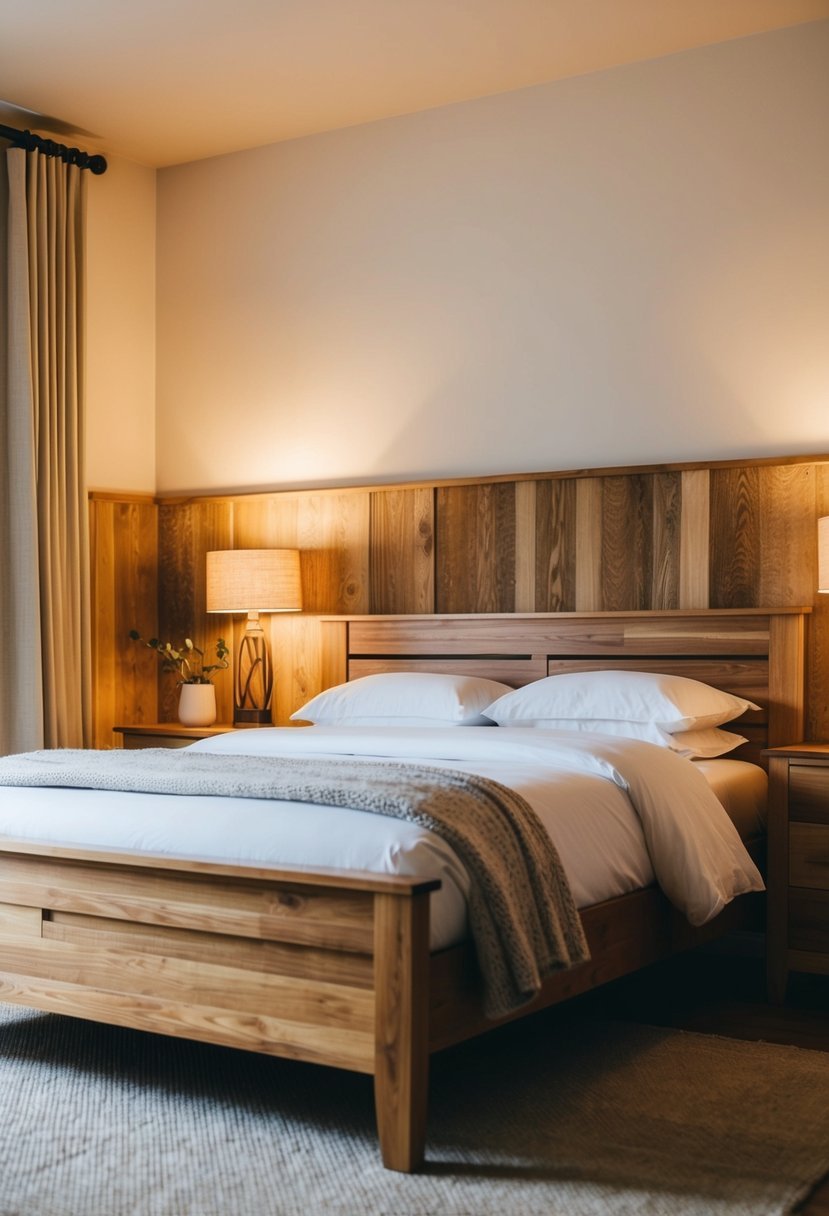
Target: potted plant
{"x": 197, "y": 698}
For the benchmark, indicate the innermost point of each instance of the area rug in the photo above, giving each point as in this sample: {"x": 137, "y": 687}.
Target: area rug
{"x": 546, "y": 1118}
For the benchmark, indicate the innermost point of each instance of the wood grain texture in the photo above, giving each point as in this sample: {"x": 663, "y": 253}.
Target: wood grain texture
{"x": 525, "y": 545}
{"x": 666, "y": 541}
{"x": 278, "y": 958}
{"x": 555, "y": 546}
{"x": 207, "y": 1024}
{"x": 818, "y": 676}
{"x": 124, "y": 573}
{"x": 476, "y": 549}
{"x": 728, "y": 534}
{"x": 788, "y": 565}
{"x": 332, "y": 534}
{"x": 589, "y": 519}
{"x": 627, "y": 542}
{"x": 734, "y": 538}
{"x": 402, "y": 550}
{"x": 809, "y": 855}
{"x": 186, "y": 535}
{"x": 401, "y": 1067}
{"x": 694, "y": 538}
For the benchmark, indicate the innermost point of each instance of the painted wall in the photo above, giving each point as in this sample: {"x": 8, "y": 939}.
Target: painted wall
{"x": 120, "y": 360}
{"x": 626, "y": 267}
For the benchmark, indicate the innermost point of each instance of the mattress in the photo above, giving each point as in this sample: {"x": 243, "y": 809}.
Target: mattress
{"x": 742, "y": 789}
{"x": 607, "y": 846}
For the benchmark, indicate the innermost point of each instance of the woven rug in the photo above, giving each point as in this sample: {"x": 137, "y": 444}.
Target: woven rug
{"x": 548, "y": 1117}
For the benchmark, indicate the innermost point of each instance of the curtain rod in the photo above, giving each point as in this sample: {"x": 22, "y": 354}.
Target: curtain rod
{"x": 72, "y": 156}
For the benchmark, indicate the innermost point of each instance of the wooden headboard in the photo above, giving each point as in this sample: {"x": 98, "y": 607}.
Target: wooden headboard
{"x": 754, "y": 652}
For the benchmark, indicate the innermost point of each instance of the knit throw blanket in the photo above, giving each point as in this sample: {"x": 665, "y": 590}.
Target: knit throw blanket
{"x": 521, "y": 912}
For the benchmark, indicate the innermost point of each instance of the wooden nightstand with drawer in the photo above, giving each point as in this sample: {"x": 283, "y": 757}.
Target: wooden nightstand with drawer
{"x": 165, "y": 734}
{"x": 797, "y": 930}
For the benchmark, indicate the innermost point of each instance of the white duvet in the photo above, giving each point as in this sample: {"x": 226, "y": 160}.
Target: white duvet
{"x": 620, "y": 813}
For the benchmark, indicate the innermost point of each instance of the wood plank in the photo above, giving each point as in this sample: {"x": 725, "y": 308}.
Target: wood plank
{"x": 401, "y": 1066}
{"x": 555, "y": 546}
{"x": 740, "y": 633}
{"x": 777, "y": 880}
{"x": 402, "y": 551}
{"x": 276, "y": 912}
{"x": 475, "y": 531}
{"x": 331, "y": 532}
{"x": 333, "y": 653}
{"x": 694, "y": 539}
{"x": 103, "y": 651}
{"x": 627, "y": 542}
{"x": 809, "y": 855}
{"x": 786, "y": 679}
{"x": 525, "y": 540}
{"x": 735, "y": 538}
{"x": 123, "y": 588}
{"x": 296, "y": 647}
{"x": 333, "y": 538}
{"x": 270, "y": 1035}
{"x": 186, "y": 535}
{"x": 746, "y": 678}
{"x": 809, "y": 792}
{"x": 589, "y": 545}
{"x": 787, "y": 528}
{"x": 282, "y": 958}
{"x": 667, "y": 515}
{"x": 818, "y": 629}
{"x": 298, "y": 999}
{"x": 17, "y": 852}
{"x": 809, "y": 921}
{"x": 19, "y": 920}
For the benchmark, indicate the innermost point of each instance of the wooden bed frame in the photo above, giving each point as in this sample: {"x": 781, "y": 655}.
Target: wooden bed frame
{"x": 334, "y": 966}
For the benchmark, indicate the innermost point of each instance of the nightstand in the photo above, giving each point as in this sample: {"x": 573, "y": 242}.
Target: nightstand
{"x": 165, "y": 734}
{"x": 797, "y": 928}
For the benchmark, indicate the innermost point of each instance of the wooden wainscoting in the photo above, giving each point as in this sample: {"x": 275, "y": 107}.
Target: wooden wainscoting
{"x": 726, "y": 535}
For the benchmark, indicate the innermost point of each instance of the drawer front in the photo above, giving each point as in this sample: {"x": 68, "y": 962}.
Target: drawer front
{"x": 132, "y": 742}
{"x": 809, "y": 855}
{"x": 809, "y": 793}
{"x": 809, "y": 921}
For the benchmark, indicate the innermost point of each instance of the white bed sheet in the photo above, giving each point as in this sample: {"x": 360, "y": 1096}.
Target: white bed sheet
{"x": 591, "y": 820}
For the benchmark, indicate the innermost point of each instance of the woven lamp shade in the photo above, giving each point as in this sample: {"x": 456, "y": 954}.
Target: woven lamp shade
{"x": 254, "y": 580}
{"x": 823, "y": 554}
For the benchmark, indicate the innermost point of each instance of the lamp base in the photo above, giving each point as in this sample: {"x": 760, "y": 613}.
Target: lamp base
{"x": 252, "y": 717}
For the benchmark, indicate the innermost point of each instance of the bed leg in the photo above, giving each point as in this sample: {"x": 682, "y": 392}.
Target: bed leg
{"x": 401, "y": 1060}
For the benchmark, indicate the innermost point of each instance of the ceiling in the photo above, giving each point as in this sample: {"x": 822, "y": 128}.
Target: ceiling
{"x": 166, "y": 81}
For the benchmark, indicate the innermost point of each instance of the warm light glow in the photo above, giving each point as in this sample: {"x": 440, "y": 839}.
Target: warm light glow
{"x": 254, "y": 580}
{"x": 823, "y": 554}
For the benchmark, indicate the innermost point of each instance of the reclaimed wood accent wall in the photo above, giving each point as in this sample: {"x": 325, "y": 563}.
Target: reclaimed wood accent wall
{"x": 730, "y": 535}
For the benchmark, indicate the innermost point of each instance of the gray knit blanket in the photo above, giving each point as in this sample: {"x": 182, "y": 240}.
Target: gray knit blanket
{"x": 522, "y": 916}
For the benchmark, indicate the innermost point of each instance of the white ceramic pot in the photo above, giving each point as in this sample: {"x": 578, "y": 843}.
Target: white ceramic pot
{"x": 197, "y": 705}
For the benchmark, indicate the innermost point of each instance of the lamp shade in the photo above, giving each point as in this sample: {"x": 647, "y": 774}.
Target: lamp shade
{"x": 254, "y": 580}
{"x": 823, "y": 554}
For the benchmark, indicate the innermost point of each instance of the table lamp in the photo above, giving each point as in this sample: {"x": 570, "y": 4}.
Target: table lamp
{"x": 253, "y": 581}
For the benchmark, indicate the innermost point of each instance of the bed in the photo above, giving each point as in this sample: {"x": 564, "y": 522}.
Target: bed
{"x": 336, "y": 966}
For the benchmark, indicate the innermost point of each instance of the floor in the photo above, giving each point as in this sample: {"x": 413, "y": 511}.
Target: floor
{"x": 718, "y": 994}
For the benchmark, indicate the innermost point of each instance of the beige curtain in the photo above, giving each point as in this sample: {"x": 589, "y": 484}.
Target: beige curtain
{"x": 44, "y": 557}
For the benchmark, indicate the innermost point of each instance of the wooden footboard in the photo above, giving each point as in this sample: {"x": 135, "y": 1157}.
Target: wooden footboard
{"x": 326, "y": 966}
{"x": 331, "y": 967}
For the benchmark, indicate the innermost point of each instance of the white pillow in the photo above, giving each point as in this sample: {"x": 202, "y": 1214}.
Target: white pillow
{"x": 696, "y": 744}
{"x": 404, "y": 698}
{"x": 673, "y": 703}
{"x": 705, "y": 744}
